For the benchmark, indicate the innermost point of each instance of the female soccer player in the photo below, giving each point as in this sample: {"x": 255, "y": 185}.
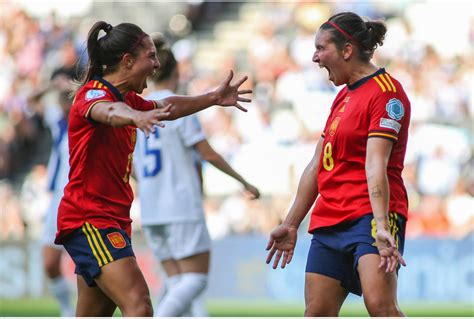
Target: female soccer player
{"x": 358, "y": 222}
{"x": 94, "y": 223}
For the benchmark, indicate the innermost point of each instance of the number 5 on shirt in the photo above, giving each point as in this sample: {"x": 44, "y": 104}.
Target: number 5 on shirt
{"x": 152, "y": 155}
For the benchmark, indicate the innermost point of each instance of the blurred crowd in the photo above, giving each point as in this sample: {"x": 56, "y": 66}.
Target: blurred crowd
{"x": 272, "y": 143}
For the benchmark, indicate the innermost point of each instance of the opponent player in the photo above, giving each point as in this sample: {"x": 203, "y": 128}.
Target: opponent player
{"x": 56, "y": 118}
{"x": 358, "y": 222}
{"x": 94, "y": 223}
{"x": 169, "y": 189}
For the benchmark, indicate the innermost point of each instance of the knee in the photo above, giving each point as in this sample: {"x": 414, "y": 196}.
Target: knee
{"x": 382, "y": 307}
{"x": 317, "y": 309}
{"x": 140, "y": 306}
{"x": 52, "y": 268}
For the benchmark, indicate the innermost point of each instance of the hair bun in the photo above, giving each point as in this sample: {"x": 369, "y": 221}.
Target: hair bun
{"x": 108, "y": 27}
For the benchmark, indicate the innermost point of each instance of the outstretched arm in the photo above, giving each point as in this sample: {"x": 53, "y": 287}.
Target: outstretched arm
{"x": 226, "y": 94}
{"x": 378, "y": 154}
{"x": 283, "y": 238}
{"x": 210, "y": 155}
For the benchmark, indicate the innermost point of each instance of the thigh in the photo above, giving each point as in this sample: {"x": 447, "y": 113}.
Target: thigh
{"x": 171, "y": 267}
{"x": 92, "y": 302}
{"x": 324, "y": 295}
{"x": 377, "y": 285}
{"x": 123, "y": 282}
{"x": 197, "y": 264}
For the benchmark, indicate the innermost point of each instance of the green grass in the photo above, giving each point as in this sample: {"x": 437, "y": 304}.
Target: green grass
{"x": 46, "y": 307}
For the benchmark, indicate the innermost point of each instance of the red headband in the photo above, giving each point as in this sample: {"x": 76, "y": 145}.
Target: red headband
{"x": 137, "y": 42}
{"x": 344, "y": 33}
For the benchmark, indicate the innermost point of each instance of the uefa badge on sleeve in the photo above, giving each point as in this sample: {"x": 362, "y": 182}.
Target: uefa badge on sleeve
{"x": 395, "y": 109}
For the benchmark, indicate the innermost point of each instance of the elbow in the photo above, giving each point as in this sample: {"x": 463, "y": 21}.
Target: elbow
{"x": 111, "y": 115}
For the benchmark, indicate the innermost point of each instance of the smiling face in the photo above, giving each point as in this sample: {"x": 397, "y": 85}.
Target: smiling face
{"x": 328, "y": 56}
{"x": 142, "y": 66}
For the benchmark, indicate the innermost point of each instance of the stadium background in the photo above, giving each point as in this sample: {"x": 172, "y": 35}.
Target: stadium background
{"x": 428, "y": 47}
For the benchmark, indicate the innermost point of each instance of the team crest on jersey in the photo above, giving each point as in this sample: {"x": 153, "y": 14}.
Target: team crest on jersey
{"x": 117, "y": 240}
{"x": 391, "y": 124}
{"x": 395, "y": 109}
{"x": 94, "y": 94}
{"x": 333, "y": 127}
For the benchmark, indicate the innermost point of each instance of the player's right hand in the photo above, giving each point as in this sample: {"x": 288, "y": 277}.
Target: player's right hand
{"x": 282, "y": 242}
{"x": 146, "y": 120}
{"x": 390, "y": 257}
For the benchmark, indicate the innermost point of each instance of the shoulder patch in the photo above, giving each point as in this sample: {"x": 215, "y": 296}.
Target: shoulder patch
{"x": 391, "y": 124}
{"x": 395, "y": 109}
{"x": 94, "y": 94}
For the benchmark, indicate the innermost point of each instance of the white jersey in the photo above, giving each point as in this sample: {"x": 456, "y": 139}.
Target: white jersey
{"x": 169, "y": 189}
{"x": 58, "y": 164}
{"x": 58, "y": 170}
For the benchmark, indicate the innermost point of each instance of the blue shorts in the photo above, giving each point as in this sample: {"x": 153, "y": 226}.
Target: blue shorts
{"x": 91, "y": 248}
{"x": 335, "y": 250}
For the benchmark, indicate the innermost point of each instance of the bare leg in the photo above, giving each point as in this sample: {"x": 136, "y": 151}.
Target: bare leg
{"x": 92, "y": 302}
{"x": 378, "y": 288}
{"x": 323, "y": 296}
{"x": 123, "y": 282}
{"x": 57, "y": 284}
{"x": 192, "y": 272}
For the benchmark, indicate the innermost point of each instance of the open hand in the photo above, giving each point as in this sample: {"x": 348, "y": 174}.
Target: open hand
{"x": 229, "y": 94}
{"x": 390, "y": 257}
{"x": 147, "y": 120}
{"x": 282, "y": 241}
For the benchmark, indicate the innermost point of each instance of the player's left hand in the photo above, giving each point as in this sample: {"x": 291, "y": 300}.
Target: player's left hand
{"x": 228, "y": 94}
{"x": 390, "y": 257}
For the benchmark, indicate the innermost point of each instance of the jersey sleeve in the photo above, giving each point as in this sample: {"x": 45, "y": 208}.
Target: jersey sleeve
{"x": 139, "y": 103}
{"x": 88, "y": 97}
{"x": 191, "y": 131}
{"x": 387, "y": 116}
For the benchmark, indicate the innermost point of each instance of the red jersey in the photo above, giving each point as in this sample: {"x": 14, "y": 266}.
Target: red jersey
{"x": 100, "y": 162}
{"x": 375, "y": 106}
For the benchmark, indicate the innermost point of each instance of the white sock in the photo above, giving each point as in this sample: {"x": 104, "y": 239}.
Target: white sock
{"x": 178, "y": 299}
{"x": 61, "y": 291}
{"x": 198, "y": 307}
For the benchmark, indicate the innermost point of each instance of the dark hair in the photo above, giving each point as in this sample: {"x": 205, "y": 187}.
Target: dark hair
{"x": 105, "y": 53}
{"x": 349, "y": 27}
{"x": 166, "y": 58}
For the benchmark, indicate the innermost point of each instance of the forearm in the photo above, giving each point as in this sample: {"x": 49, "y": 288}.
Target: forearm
{"x": 379, "y": 193}
{"x": 186, "y": 105}
{"x": 115, "y": 114}
{"x": 305, "y": 197}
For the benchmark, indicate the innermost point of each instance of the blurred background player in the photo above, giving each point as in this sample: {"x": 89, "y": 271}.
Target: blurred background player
{"x": 170, "y": 194}
{"x": 56, "y": 118}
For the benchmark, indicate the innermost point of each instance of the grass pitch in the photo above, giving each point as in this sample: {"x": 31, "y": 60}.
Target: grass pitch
{"x": 47, "y": 307}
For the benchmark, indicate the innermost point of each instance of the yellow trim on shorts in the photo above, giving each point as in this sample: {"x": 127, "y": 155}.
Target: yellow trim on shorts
{"x": 94, "y": 252}
{"x": 99, "y": 236}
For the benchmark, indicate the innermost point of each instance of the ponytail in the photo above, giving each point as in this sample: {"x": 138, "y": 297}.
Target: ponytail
{"x": 106, "y": 52}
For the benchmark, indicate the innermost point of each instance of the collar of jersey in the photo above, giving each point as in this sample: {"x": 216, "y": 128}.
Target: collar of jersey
{"x": 112, "y": 88}
{"x": 358, "y": 83}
